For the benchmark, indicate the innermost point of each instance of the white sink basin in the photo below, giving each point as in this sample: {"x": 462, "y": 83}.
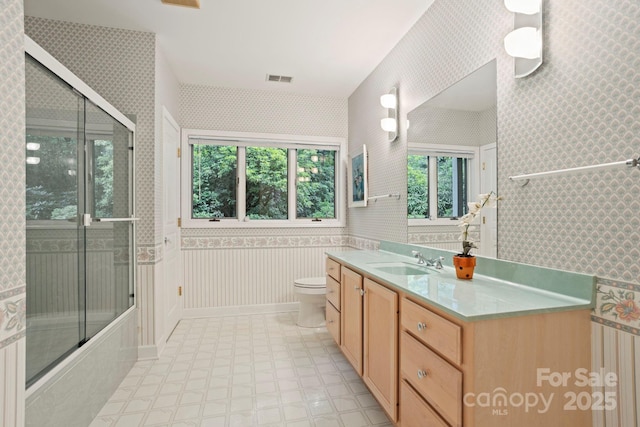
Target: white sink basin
{"x": 400, "y": 268}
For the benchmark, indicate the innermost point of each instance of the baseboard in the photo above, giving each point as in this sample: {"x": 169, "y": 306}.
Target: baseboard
{"x": 148, "y": 352}
{"x": 193, "y": 313}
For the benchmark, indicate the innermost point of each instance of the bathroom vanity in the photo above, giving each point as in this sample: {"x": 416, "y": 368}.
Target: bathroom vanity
{"x": 438, "y": 351}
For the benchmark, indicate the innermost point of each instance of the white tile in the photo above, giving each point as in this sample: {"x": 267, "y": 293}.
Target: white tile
{"x": 138, "y": 405}
{"x": 269, "y": 416}
{"x": 320, "y": 407}
{"x": 354, "y": 419}
{"x": 187, "y": 412}
{"x": 244, "y": 371}
{"x": 158, "y": 417}
{"x": 295, "y": 411}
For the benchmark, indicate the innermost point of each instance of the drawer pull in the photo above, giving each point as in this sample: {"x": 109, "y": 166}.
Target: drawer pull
{"x": 422, "y": 326}
{"x": 421, "y": 374}
{"x": 331, "y": 321}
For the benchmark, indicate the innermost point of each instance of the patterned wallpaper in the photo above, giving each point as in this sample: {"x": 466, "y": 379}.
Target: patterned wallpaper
{"x": 430, "y": 125}
{"x": 228, "y": 109}
{"x": 12, "y": 157}
{"x": 582, "y": 107}
{"x": 434, "y": 54}
{"x": 120, "y": 66}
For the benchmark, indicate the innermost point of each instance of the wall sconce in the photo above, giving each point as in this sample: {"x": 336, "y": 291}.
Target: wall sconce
{"x": 524, "y": 43}
{"x": 390, "y": 123}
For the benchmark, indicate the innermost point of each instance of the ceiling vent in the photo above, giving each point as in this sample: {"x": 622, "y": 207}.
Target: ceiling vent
{"x": 187, "y": 3}
{"x": 281, "y": 79}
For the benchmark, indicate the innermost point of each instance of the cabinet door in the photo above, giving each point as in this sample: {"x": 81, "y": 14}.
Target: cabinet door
{"x": 351, "y": 310}
{"x": 381, "y": 345}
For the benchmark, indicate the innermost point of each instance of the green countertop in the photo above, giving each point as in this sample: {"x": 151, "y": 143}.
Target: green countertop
{"x": 483, "y": 297}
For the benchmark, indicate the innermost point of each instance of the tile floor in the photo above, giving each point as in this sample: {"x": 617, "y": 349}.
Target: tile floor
{"x": 249, "y": 370}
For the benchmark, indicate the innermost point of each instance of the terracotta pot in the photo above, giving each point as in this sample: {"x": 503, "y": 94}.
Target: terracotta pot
{"x": 464, "y": 266}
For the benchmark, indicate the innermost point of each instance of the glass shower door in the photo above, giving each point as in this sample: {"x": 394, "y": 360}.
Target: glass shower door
{"x": 79, "y": 227}
{"x": 109, "y": 233}
{"x": 55, "y": 238}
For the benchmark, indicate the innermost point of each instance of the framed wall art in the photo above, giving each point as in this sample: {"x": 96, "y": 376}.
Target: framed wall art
{"x": 358, "y": 178}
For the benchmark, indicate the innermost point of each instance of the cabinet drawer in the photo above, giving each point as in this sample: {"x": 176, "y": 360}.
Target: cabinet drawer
{"x": 333, "y": 292}
{"x": 333, "y": 323}
{"x": 434, "y": 378}
{"x": 414, "y": 412}
{"x": 333, "y": 269}
{"x": 440, "y": 334}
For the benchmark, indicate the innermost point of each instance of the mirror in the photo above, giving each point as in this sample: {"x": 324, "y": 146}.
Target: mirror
{"x": 452, "y": 158}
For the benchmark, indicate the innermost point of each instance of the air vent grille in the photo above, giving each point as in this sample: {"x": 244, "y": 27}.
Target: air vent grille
{"x": 281, "y": 79}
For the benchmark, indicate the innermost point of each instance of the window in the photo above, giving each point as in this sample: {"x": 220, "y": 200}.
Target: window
{"x": 438, "y": 184}
{"x": 255, "y": 182}
{"x": 214, "y": 181}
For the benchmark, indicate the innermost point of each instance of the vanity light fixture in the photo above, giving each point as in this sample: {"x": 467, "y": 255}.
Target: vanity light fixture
{"x": 390, "y": 123}
{"x": 524, "y": 43}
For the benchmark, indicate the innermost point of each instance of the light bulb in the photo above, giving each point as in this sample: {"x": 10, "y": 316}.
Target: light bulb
{"x": 526, "y": 7}
{"x": 33, "y": 146}
{"x": 525, "y": 42}
{"x": 388, "y": 101}
{"x": 33, "y": 160}
{"x": 388, "y": 124}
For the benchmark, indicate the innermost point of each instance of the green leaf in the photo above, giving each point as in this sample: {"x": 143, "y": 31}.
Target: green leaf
{"x": 11, "y": 307}
{"x": 630, "y": 296}
{"x": 605, "y": 308}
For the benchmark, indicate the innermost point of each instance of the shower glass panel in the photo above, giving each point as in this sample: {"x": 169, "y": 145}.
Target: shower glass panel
{"x": 108, "y": 200}
{"x": 79, "y": 272}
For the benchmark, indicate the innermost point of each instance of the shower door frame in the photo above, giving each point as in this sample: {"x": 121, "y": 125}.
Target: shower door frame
{"x": 54, "y": 66}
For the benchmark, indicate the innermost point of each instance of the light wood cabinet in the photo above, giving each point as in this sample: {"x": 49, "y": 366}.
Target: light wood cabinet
{"x": 381, "y": 345}
{"x": 427, "y": 367}
{"x": 332, "y": 307}
{"x": 439, "y": 383}
{"x": 415, "y": 412}
{"x": 351, "y": 317}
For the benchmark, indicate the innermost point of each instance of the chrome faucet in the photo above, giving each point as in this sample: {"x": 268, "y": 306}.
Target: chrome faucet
{"x": 431, "y": 262}
{"x": 420, "y": 257}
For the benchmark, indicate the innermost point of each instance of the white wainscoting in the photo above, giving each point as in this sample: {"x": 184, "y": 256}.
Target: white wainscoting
{"x": 145, "y": 300}
{"x": 618, "y": 352}
{"x": 232, "y": 277}
{"x": 12, "y": 380}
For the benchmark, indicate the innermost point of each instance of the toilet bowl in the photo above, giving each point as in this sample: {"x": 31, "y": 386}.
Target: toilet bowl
{"x": 311, "y": 292}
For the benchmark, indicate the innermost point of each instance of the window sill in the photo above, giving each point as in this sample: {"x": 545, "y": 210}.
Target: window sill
{"x": 260, "y": 223}
{"x": 433, "y": 222}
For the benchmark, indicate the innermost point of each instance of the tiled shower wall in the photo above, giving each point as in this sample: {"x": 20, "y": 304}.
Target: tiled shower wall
{"x": 582, "y": 107}
{"x": 12, "y": 222}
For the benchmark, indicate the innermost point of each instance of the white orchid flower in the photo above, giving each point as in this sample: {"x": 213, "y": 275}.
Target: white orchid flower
{"x": 484, "y": 200}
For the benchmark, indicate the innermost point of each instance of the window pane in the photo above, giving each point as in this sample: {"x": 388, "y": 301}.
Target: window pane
{"x": 267, "y": 183}
{"x": 214, "y": 181}
{"x": 316, "y": 195}
{"x": 452, "y": 187}
{"x": 103, "y": 178}
{"x": 418, "y": 186}
{"x": 52, "y": 187}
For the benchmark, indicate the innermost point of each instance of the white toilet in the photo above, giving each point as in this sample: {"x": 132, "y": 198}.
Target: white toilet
{"x": 311, "y": 292}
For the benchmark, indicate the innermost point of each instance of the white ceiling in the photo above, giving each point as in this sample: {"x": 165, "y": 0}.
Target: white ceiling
{"x": 329, "y": 47}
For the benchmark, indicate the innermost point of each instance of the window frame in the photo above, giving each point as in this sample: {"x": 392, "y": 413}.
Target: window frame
{"x": 473, "y": 185}
{"x": 291, "y": 142}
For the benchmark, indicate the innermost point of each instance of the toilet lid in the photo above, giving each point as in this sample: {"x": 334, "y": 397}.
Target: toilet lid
{"x": 311, "y": 282}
